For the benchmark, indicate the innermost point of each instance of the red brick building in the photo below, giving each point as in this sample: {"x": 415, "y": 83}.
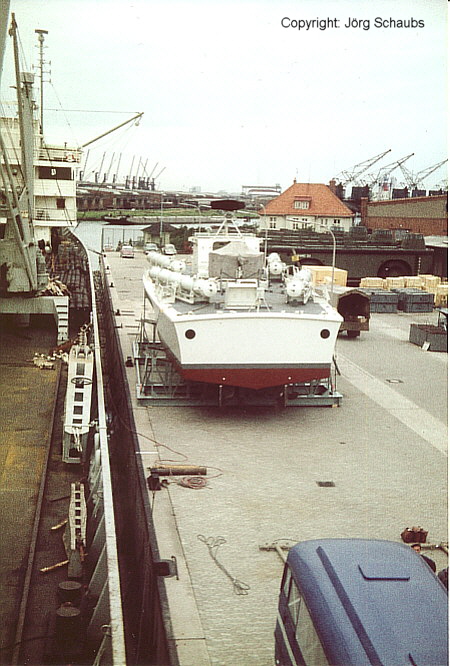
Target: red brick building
{"x": 421, "y": 215}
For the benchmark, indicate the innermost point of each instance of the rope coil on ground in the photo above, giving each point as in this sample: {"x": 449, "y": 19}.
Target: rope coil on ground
{"x": 194, "y": 482}
{"x": 213, "y": 544}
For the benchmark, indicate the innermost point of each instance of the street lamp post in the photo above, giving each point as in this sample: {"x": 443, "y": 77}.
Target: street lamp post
{"x": 161, "y": 222}
{"x": 199, "y": 210}
{"x": 334, "y": 256}
{"x": 265, "y": 224}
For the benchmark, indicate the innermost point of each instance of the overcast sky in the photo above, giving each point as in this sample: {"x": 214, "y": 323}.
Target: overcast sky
{"x": 234, "y": 93}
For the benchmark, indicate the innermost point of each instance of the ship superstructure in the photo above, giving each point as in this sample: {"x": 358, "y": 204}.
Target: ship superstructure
{"x": 54, "y": 173}
{"x": 76, "y": 617}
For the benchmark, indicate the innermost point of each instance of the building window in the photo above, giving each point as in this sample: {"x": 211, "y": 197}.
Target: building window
{"x": 303, "y": 205}
{"x": 272, "y": 225}
{"x": 60, "y": 204}
{"x": 296, "y": 225}
{"x": 336, "y": 221}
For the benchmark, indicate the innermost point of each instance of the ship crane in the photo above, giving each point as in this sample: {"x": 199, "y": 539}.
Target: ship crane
{"x": 136, "y": 118}
{"x": 414, "y": 180}
{"x": 18, "y": 252}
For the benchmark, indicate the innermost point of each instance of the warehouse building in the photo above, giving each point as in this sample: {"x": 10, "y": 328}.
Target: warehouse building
{"x": 422, "y": 215}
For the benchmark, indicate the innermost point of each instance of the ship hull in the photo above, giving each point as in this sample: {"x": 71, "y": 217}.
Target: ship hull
{"x": 252, "y": 349}
{"x": 255, "y": 378}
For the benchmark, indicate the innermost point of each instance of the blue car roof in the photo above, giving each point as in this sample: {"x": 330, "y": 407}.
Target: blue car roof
{"x": 372, "y": 601}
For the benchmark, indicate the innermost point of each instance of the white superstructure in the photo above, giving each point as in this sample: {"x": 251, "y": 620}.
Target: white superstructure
{"x": 54, "y": 183}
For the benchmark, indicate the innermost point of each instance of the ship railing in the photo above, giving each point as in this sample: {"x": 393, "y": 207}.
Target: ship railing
{"x": 106, "y": 627}
{"x": 58, "y": 154}
{"x": 63, "y": 217}
{"x": 47, "y": 154}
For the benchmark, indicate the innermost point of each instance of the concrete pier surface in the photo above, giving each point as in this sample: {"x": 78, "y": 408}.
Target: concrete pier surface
{"x": 369, "y": 468}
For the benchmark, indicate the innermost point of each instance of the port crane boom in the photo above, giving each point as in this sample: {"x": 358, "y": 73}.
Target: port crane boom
{"x": 378, "y": 177}
{"x": 346, "y": 177}
{"x": 413, "y": 180}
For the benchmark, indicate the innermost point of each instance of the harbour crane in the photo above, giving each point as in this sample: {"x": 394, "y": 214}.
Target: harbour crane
{"x": 380, "y": 178}
{"x": 413, "y": 180}
{"x": 154, "y": 179}
{"x": 381, "y": 174}
{"x": 346, "y": 177}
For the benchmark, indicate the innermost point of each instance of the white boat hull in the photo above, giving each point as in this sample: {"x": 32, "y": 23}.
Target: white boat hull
{"x": 252, "y": 349}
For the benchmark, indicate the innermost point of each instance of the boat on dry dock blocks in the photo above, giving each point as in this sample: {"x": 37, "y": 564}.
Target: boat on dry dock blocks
{"x": 229, "y": 320}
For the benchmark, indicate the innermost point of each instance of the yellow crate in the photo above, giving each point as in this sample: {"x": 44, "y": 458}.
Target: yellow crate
{"x": 413, "y": 281}
{"x": 372, "y": 283}
{"x": 322, "y": 275}
{"x": 441, "y": 300}
{"x": 441, "y": 296}
{"x": 395, "y": 282}
{"x": 430, "y": 282}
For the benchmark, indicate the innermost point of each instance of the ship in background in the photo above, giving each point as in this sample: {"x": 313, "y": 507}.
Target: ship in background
{"x": 38, "y": 254}
{"x": 45, "y": 270}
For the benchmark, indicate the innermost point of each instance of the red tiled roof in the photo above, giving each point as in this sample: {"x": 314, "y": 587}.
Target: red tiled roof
{"x": 323, "y": 203}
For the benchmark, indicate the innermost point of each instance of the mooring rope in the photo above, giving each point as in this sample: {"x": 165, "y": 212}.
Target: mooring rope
{"x": 194, "y": 482}
{"x": 213, "y": 544}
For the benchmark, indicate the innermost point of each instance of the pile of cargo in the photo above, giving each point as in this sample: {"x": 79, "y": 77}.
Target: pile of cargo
{"x": 381, "y": 300}
{"x": 326, "y": 275}
{"x": 414, "y": 300}
{"x": 417, "y": 293}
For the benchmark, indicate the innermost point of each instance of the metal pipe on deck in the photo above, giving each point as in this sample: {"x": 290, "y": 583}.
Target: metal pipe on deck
{"x": 178, "y": 470}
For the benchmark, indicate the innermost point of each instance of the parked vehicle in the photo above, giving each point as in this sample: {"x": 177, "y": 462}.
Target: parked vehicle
{"x": 169, "y": 249}
{"x": 360, "y": 602}
{"x": 127, "y": 252}
{"x": 354, "y": 306}
{"x": 151, "y": 247}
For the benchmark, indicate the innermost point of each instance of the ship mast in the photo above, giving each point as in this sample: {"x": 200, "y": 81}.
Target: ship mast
{"x": 18, "y": 228}
{"x": 41, "y": 38}
{"x": 4, "y": 15}
{"x": 25, "y": 106}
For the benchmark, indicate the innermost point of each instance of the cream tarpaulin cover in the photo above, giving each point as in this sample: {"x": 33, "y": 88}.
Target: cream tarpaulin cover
{"x": 235, "y": 260}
